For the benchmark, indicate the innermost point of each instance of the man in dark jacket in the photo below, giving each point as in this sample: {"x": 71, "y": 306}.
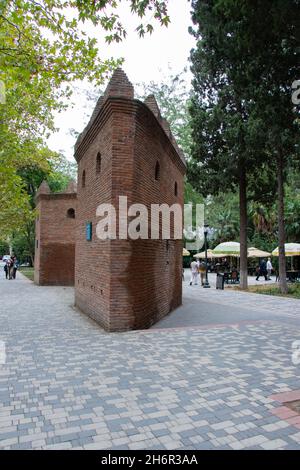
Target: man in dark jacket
{"x": 6, "y": 270}
{"x": 262, "y": 270}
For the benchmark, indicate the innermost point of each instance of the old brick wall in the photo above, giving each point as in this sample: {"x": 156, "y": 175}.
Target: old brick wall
{"x": 146, "y": 274}
{"x": 55, "y": 239}
{"x": 156, "y": 265}
{"x": 92, "y": 270}
{"x": 126, "y": 284}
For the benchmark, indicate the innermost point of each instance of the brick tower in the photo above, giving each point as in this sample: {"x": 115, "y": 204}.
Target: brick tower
{"x": 126, "y": 149}
{"x": 55, "y": 236}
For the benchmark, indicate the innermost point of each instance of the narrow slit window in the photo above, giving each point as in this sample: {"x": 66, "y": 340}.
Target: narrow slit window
{"x": 157, "y": 171}
{"x": 98, "y": 163}
{"x": 83, "y": 179}
{"x": 176, "y": 189}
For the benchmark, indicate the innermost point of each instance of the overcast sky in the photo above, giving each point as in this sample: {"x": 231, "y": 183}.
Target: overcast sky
{"x": 147, "y": 59}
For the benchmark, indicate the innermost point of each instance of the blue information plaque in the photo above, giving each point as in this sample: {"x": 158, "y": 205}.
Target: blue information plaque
{"x": 88, "y": 231}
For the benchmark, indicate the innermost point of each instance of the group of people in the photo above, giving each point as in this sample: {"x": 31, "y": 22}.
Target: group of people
{"x": 11, "y": 267}
{"x": 198, "y": 268}
{"x": 264, "y": 269}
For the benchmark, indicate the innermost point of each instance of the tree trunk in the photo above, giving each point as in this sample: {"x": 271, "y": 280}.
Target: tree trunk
{"x": 281, "y": 227}
{"x": 243, "y": 229}
{"x": 10, "y": 247}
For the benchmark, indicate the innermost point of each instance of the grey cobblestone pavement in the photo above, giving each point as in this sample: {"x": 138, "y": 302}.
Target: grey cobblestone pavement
{"x": 203, "y": 384}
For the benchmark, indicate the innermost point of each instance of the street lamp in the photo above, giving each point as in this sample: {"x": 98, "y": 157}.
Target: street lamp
{"x": 206, "y": 231}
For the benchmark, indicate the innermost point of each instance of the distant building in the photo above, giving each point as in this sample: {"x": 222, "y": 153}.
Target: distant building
{"x": 55, "y": 236}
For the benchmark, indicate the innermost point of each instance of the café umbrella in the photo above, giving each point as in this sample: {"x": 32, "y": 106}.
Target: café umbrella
{"x": 201, "y": 255}
{"x": 291, "y": 249}
{"x": 256, "y": 253}
{"x": 227, "y": 249}
{"x": 185, "y": 252}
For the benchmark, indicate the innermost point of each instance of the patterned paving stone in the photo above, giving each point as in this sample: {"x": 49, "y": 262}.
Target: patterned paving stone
{"x": 68, "y": 384}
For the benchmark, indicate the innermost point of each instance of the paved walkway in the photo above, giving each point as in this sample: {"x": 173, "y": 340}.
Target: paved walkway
{"x": 204, "y": 378}
{"x": 211, "y": 306}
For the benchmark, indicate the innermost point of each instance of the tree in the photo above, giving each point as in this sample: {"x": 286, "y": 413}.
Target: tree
{"x": 275, "y": 25}
{"x": 4, "y": 248}
{"x": 246, "y": 60}
{"x": 223, "y": 214}
{"x": 172, "y": 96}
{"x": 48, "y": 39}
{"x": 292, "y": 207}
{"x": 226, "y": 135}
{"x": 43, "y": 48}
{"x": 58, "y": 174}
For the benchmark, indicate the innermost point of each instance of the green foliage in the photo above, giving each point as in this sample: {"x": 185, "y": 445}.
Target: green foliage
{"x": 28, "y": 272}
{"x": 22, "y": 247}
{"x": 47, "y": 41}
{"x": 58, "y": 174}
{"x": 172, "y": 98}
{"x": 222, "y": 214}
{"x": 44, "y": 47}
{"x": 292, "y": 210}
{"x": 247, "y": 57}
{"x": 4, "y": 248}
{"x": 245, "y": 129}
{"x": 191, "y": 196}
{"x": 228, "y": 134}
{"x": 293, "y": 290}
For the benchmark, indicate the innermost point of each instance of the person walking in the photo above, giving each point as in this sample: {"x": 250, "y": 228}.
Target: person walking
{"x": 194, "y": 273}
{"x": 202, "y": 272}
{"x": 10, "y": 268}
{"x": 6, "y": 270}
{"x": 14, "y": 267}
{"x": 269, "y": 268}
{"x": 262, "y": 270}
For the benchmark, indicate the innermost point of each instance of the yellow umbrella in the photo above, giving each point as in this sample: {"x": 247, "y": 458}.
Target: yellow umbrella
{"x": 227, "y": 249}
{"x": 185, "y": 252}
{"x": 256, "y": 253}
{"x": 291, "y": 249}
{"x": 211, "y": 254}
{"x": 201, "y": 255}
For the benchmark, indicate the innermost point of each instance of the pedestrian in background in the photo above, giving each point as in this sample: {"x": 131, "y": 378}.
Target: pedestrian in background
{"x": 6, "y": 270}
{"x": 10, "y": 268}
{"x": 194, "y": 273}
{"x": 202, "y": 272}
{"x": 269, "y": 268}
{"x": 15, "y": 267}
{"x": 262, "y": 270}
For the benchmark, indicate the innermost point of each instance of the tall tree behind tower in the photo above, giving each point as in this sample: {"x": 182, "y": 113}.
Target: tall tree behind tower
{"x": 246, "y": 59}
{"x": 226, "y": 136}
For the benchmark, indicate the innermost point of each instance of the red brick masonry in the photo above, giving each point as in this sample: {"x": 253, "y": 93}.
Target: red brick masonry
{"x": 127, "y": 149}
{"x": 55, "y": 236}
